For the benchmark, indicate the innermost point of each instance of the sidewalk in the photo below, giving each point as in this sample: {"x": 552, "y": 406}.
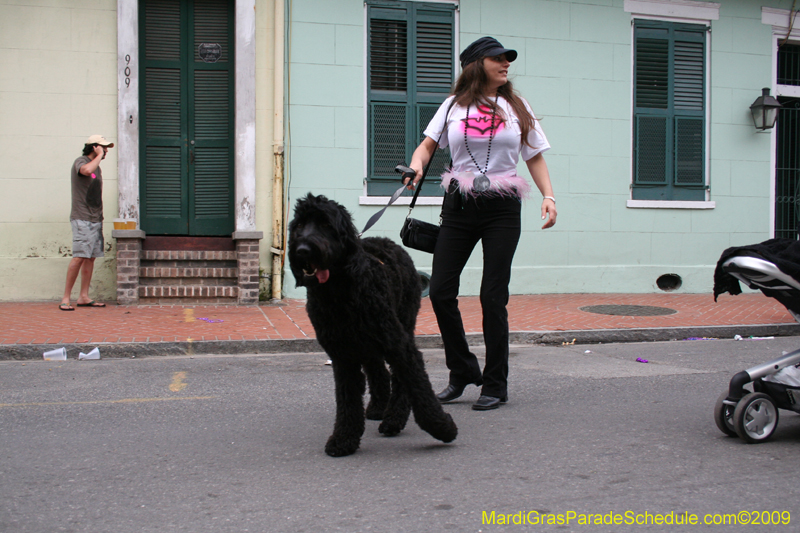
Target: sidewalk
{"x": 126, "y": 331}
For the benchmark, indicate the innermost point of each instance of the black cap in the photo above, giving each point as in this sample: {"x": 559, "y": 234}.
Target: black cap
{"x": 485, "y": 47}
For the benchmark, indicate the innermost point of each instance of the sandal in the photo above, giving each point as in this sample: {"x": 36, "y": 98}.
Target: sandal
{"x": 66, "y": 307}
{"x": 92, "y": 304}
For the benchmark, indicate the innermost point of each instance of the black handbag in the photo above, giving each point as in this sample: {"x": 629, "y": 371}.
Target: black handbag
{"x": 419, "y": 235}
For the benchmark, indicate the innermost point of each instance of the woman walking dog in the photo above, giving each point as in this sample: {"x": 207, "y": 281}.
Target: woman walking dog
{"x": 488, "y": 128}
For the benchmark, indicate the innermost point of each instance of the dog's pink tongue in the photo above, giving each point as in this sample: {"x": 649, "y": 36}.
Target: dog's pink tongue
{"x": 323, "y": 275}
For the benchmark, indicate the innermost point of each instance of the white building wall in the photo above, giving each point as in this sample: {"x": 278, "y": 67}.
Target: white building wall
{"x": 60, "y": 72}
{"x": 58, "y": 86}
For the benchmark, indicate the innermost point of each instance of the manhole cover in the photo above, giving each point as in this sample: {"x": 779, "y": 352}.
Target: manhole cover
{"x": 628, "y": 310}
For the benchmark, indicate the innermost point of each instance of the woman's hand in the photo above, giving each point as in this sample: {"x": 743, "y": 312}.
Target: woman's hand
{"x": 549, "y": 209}
{"x": 541, "y": 177}
{"x": 408, "y": 182}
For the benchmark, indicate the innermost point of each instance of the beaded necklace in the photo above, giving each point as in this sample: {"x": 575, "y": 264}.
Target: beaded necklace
{"x": 482, "y": 182}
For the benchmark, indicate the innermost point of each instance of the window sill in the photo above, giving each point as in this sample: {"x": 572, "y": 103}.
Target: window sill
{"x": 661, "y": 204}
{"x": 403, "y": 200}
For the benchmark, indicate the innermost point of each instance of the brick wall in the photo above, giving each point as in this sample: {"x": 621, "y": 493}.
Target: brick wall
{"x": 128, "y": 257}
{"x": 247, "y": 254}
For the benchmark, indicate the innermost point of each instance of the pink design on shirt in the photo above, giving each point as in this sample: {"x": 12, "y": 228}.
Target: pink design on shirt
{"x": 94, "y": 176}
{"x": 479, "y": 123}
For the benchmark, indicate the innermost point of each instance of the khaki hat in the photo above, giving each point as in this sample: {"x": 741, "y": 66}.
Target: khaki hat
{"x": 99, "y": 139}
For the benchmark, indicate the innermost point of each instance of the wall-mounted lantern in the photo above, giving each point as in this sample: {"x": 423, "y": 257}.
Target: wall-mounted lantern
{"x": 765, "y": 111}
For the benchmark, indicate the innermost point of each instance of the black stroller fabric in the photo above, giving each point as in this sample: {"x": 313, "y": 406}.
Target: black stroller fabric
{"x": 783, "y": 253}
{"x": 778, "y": 392}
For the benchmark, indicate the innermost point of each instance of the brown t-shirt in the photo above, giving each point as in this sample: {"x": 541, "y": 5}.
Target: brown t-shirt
{"x": 87, "y": 193}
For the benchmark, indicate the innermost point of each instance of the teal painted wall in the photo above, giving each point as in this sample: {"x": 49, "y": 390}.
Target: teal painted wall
{"x": 574, "y": 67}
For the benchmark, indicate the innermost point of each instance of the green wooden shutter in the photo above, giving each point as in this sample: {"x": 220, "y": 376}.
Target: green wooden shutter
{"x": 164, "y": 192}
{"x": 164, "y": 205}
{"x": 410, "y": 72}
{"x": 669, "y": 111}
{"x": 211, "y": 96}
{"x": 651, "y": 151}
{"x": 689, "y": 141}
{"x": 163, "y": 30}
{"x": 388, "y": 136}
{"x": 434, "y": 45}
{"x": 187, "y": 117}
{"x": 689, "y": 109}
{"x": 652, "y": 72}
{"x": 434, "y": 51}
{"x": 388, "y": 74}
{"x": 388, "y": 51}
{"x": 689, "y": 74}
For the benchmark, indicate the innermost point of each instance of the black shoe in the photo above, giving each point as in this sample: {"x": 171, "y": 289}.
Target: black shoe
{"x": 486, "y": 403}
{"x": 451, "y": 392}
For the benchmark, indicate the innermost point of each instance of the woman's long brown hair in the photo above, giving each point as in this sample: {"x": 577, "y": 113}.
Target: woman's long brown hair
{"x": 470, "y": 89}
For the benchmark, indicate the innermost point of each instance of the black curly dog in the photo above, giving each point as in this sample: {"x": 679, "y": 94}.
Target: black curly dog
{"x": 363, "y": 299}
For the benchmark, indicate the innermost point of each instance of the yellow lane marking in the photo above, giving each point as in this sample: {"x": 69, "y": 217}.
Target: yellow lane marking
{"x": 178, "y": 384}
{"x": 188, "y": 315}
{"x": 88, "y": 402}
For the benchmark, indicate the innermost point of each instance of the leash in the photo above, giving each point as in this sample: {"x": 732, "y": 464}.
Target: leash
{"x": 408, "y": 173}
{"x": 374, "y": 218}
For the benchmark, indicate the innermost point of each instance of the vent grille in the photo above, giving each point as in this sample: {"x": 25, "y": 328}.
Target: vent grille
{"x": 389, "y": 135}
{"x": 689, "y": 151}
{"x": 651, "y": 154}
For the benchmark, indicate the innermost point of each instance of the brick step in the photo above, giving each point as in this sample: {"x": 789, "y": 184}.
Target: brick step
{"x": 187, "y": 255}
{"x": 201, "y": 272}
{"x": 188, "y": 282}
{"x": 188, "y": 291}
{"x": 187, "y": 264}
{"x": 182, "y": 270}
{"x": 188, "y": 301}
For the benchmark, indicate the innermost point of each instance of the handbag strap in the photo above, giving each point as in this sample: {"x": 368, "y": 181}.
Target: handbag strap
{"x": 425, "y": 172}
{"x": 374, "y": 218}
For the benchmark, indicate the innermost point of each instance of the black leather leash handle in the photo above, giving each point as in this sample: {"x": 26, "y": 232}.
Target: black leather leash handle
{"x": 406, "y": 173}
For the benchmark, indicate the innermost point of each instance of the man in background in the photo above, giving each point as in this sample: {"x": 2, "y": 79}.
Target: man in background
{"x": 86, "y": 219}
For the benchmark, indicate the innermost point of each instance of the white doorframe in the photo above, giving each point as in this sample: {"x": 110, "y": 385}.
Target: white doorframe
{"x": 128, "y": 170}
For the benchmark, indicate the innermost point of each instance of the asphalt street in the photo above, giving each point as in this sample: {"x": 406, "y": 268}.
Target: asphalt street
{"x": 235, "y": 444}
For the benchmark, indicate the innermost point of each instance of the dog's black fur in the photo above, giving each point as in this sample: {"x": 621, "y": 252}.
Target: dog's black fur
{"x": 363, "y": 300}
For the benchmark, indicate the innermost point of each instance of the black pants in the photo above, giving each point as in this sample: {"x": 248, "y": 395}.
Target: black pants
{"x": 496, "y": 222}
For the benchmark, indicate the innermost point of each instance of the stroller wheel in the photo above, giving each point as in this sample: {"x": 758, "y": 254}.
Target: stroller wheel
{"x": 755, "y": 418}
{"x": 723, "y": 415}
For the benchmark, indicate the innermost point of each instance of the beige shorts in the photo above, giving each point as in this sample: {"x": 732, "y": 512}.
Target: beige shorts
{"x": 87, "y": 238}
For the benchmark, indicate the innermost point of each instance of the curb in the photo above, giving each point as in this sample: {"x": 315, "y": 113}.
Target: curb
{"x": 20, "y": 352}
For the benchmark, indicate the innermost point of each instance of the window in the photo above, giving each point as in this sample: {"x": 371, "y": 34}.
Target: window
{"x": 669, "y": 111}
{"x": 410, "y": 67}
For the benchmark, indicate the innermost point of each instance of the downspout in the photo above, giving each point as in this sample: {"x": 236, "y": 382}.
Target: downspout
{"x": 277, "y": 152}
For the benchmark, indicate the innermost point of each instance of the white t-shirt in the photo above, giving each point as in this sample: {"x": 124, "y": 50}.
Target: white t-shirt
{"x": 506, "y": 144}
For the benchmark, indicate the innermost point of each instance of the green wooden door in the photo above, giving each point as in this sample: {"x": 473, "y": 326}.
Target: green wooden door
{"x": 186, "y": 112}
